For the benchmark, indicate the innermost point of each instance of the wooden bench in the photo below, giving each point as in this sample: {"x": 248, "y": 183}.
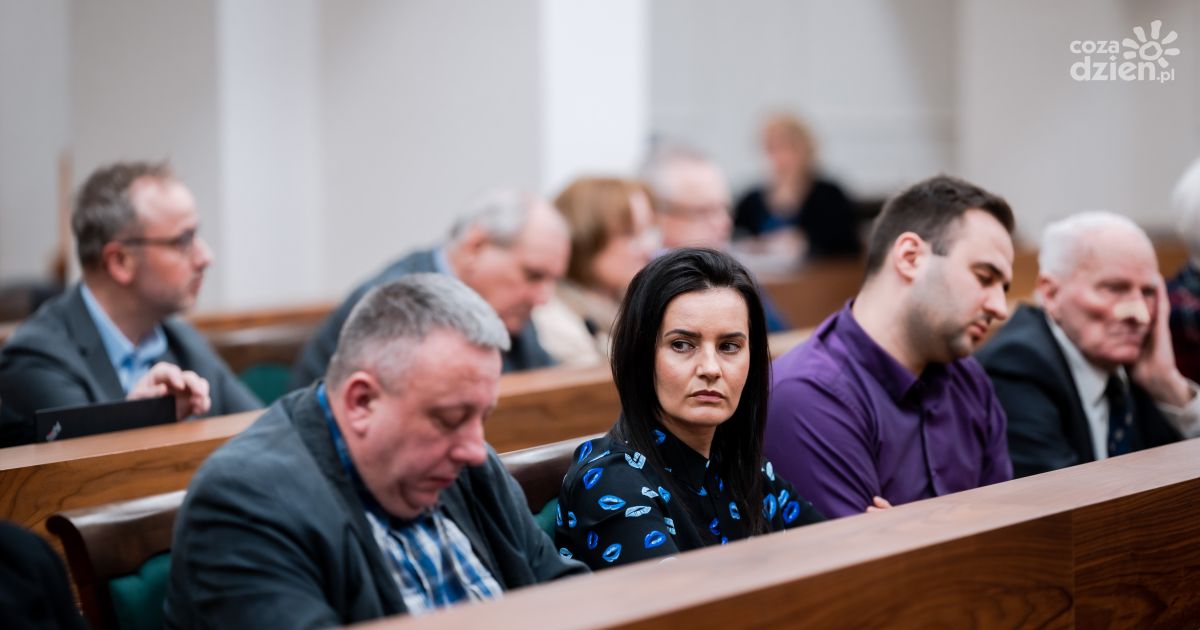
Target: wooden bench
{"x": 1114, "y": 543}
{"x": 37, "y": 480}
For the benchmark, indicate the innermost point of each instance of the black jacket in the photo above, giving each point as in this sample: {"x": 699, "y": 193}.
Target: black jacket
{"x": 57, "y": 359}
{"x": 1047, "y": 427}
{"x": 525, "y": 354}
{"x": 272, "y": 533}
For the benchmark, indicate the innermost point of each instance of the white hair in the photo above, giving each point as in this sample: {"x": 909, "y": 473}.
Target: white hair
{"x": 1186, "y": 200}
{"x": 1064, "y": 240}
{"x": 500, "y": 213}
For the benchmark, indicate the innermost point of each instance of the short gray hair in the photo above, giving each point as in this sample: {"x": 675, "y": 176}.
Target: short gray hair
{"x": 1063, "y": 240}
{"x": 1186, "y": 200}
{"x": 656, "y": 170}
{"x": 392, "y": 319}
{"x": 500, "y": 213}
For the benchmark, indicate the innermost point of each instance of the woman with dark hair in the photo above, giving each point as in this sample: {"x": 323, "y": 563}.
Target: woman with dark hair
{"x": 683, "y": 466}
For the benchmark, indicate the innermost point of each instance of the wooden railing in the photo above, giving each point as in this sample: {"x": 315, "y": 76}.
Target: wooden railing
{"x": 1111, "y": 544}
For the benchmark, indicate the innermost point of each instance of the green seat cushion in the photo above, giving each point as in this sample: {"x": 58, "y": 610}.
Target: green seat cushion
{"x": 268, "y": 381}
{"x": 545, "y": 519}
{"x": 138, "y": 598}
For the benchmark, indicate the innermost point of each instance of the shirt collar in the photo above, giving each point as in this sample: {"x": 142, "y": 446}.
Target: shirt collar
{"x": 680, "y": 459}
{"x": 441, "y": 262}
{"x": 891, "y": 375}
{"x": 1090, "y": 381}
{"x": 119, "y": 348}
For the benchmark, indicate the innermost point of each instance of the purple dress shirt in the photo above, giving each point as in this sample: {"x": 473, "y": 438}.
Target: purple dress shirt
{"x": 846, "y": 422}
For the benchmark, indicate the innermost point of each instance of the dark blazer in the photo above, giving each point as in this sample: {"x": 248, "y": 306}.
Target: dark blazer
{"x": 273, "y": 534}
{"x": 525, "y": 354}
{"x": 34, "y": 591}
{"x": 57, "y": 359}
{"x": 1047, "y": 427}
{"x": 826, "y": 217}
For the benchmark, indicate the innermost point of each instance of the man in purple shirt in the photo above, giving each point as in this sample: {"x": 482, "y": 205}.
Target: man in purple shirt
{"x": 883, "y": 404}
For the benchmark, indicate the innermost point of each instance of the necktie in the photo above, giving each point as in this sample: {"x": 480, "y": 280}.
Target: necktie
{"x": 1120, "y": 417}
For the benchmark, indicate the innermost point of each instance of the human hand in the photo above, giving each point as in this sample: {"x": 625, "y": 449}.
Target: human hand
{"x": 879, "y": 504}
{"x": 164, "y": 379}
{"x": 1155, "y": 369}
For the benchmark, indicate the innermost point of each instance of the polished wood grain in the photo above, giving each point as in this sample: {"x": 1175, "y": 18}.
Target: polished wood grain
{"x": 1114, "y": 543}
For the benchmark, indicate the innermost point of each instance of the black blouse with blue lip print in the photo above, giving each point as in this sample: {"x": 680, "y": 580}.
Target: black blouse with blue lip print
{"x": 614, "y": 508}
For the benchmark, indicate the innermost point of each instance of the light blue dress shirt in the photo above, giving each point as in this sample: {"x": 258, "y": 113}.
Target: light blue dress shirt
{"x": 131, "y": 362}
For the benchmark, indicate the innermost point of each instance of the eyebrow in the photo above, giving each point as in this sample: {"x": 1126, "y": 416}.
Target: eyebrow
{"x": 995, "y": 271}
{"x": 689, "y": 333}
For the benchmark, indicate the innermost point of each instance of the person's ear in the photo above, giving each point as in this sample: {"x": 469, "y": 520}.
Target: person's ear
{"x": 909, "y": 253}
{"x": 358, "y": 396}
{"x": 119, "y": 262}
{"x": 1047, "y": 291}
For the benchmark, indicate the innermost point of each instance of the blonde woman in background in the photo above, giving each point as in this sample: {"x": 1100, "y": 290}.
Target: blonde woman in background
{"x": 612, "y": 238}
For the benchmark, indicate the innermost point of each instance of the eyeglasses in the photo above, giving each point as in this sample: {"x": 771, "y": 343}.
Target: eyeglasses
{"x": 693, "y": 212}
{"x": 184, "y": 243}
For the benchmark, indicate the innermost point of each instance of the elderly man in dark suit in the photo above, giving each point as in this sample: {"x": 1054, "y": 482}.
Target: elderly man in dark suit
{"x": 372, "y": 492}
{"x": 113, "y": 336}
{"x": 510, "y": 247}
{"x": 1091, "y": 373}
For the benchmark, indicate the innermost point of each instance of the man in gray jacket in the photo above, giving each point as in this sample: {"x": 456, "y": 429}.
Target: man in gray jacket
{"x": 371, "y": 493}
{"x": 509, "y": 246}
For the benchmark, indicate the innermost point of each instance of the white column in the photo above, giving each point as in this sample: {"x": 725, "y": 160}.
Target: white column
{"x": 268, "y": 61}
{"x": 594, "y": 61}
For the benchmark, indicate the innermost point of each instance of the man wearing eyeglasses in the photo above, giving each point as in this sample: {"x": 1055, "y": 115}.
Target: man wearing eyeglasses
{"x": 113, "y": 336}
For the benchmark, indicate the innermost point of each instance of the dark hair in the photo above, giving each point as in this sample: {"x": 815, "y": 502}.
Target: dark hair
{"x": 929, "y": 208}
{"x": 103, "y": 209}
{"x": 738, "y": 443}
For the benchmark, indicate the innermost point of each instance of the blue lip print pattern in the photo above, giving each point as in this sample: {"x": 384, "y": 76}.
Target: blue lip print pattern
{"x": 769, "y": 469}
{"x": 564, "y": 552}
{"x": 591, "y": 477}
{"x": 783, "y": 496}
{"x": 593, "y": 539}
{"x": 733, "y": 511}
{"x": 703, "y": 492}
{"x": 637, "y": 510}
{"x": 791, "y": 512}
{"x": 611, "y": 503}
{"x": 637, "y": 460}
{"x": 648, "y": 493}
{"x": 670, "y": 526}
{"x": 584, "y": 451}
{"x": 612, "y": 552}
{"x": 769, "y": 507}
{"x": 659, "y": 437}
{"x": 571, "y": 520}
{"x": 558, "y": 515}
{"x": 654, "y": 539}
{"x": 712, "y": 527}
{"x": 666, "y": 496}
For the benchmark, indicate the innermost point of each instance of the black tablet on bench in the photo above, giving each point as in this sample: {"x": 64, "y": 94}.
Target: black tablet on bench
{"x": 71, "y": 422}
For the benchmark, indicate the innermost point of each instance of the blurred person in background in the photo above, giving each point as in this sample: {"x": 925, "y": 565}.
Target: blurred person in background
{"x": 1184, "y": 288}
{"x": 796, "y": 201}
{"x": 612, "y": 238}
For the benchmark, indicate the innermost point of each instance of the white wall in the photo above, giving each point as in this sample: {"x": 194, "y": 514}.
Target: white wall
{"x": 270, "y": 157}
{"x": 424, "y": 104}
{"x": 595, "y": 90}
{"x": 34, "y": 129}
{"x": 875, "y": 80}
{"x": 1055, "y": 146}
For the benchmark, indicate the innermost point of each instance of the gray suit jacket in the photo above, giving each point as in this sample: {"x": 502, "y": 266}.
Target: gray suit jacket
{"x": 273, "y": 534}
{"x": 525, "y": 354}
{"x": 56, "y": 359}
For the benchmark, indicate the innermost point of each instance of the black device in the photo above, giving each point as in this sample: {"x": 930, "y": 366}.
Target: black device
{"x": 70, "y": 422}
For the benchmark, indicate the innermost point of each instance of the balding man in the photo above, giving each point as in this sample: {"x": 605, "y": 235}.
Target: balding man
{"x": 1091, "y": 373}
{"x": 510, "y": 247}
{"x": 115, "y": 336}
